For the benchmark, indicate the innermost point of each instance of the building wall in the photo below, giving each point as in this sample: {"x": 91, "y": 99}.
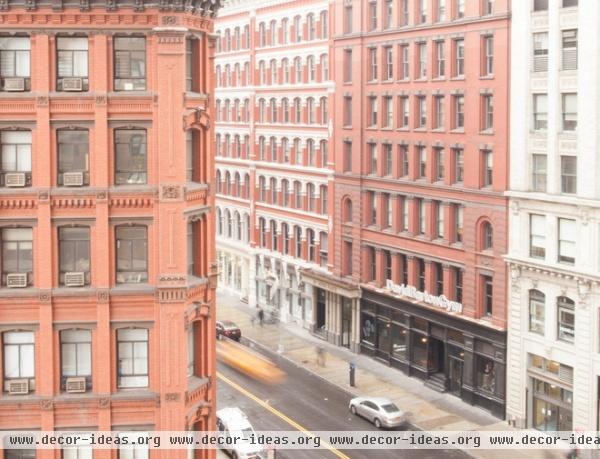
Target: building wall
{"x": 264, "y": 265}
{"x": 545, "y": 272}
{"x": 174, "y": 300}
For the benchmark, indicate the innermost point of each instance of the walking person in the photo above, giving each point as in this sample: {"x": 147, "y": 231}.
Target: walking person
{"x": 261, "y": 316}
{"x": 320, "y": 356}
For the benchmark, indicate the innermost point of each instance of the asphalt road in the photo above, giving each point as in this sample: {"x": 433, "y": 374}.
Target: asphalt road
{"x": 309, "y": 402}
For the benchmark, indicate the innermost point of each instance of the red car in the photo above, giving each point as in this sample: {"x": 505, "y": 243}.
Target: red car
{"x": 226, "y": 328}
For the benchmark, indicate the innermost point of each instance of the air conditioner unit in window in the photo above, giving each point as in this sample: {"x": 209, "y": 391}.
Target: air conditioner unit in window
{"x": 16, "y": 280}
{"x": 74, "y": 279}
{"x": 72, "y": 84}
{"x": 14, "y": 179}
{"x": 14, "y": 84}
{"x": 18, "y": 387}
{"x": 73, "y": 178}
{"x": 75, "y": 385}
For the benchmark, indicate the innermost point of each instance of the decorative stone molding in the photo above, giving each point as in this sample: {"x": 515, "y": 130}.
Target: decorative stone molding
{"x": 46, "y": 404}
{"x": 45, "y": 296}
{"x": 41, "y": 101}
{"x": 43, "y": 195}
{"x": 102, "y": 196}
{"x": 171, "y": 295}
{"x": 171, "y": 192}
{"x": 102, "y": 295}
{"x": 172, "y": 397}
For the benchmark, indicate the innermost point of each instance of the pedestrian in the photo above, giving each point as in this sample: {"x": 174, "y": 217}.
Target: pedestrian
{"x": 261, "y": 316}
{"x": 320, "y": 356}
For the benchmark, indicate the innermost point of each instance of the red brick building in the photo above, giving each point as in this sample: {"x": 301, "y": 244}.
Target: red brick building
{"x": 108, "y": 275}
{"x": 421, "y": 164}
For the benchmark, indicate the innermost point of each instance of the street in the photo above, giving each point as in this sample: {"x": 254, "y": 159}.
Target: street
{"x": 303, "y": 402}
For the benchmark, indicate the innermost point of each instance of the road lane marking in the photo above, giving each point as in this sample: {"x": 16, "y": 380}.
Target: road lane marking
{"x": 278, "y": 413}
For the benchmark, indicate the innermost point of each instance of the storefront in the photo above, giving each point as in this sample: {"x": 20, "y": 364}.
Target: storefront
{"x": 450, "y": 353}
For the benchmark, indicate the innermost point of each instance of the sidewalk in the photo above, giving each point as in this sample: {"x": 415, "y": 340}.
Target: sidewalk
{"x": 430, "y": 409}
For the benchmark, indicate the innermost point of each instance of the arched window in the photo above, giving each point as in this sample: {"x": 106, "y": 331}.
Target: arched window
{"x": 218, "y": 144}
{"x": 324, "y": 67}
{"x": 273, "y": 30}
{"x": 273, "y": 71}
{"x": 238, "y": 182}
{"x": 285, "y": 70}
{"x": 246, "y": 228}
{"x": 261, "y": 111}
{"x": 219, "y": 38}
{"x": 227, "y": 75}
{"x": 237, "y": 116}
{"x": 298, "y": 241}
{"x": 262, "y": 73}
{"x": 273, "y": 229}
{"x": 285, "y": 108}
{"x": 247, "y": 186}
{"x": 311, "y": 68}
{"x": 310, "y": 193}
{"x": 285, "y": 192}
{"x": 227, "y": 183}
{"x": 227, "y": 145}
{"x": 324, "y": 110}
{"x": 324, "y": 24}
{"x": 237, "y": 226}
{"x": 297, "y": 110}
{"x": 236, "y": 35}
{"x": 218, "y": 109}
{"x": 273, "y": 105}
{"x": 297, "y": 152}
{"x": 218, "y": 180}
{"x": 537, "y": 311}
{"x": 227, "y": 110}
{"x": 228, "y": 223}
{"x": 219, "y": 221}
{"x": 323, "y": 194}
{"x": 238, "y": 146}
{"x": 566, "y": 319}
{"x": 310, "y": 241}
{"x": 310, "y": 104}
{"x": 286, "y": 238}
{"x": 218, "y": 75}
{"x": 246, "y": 110}
{"x": 247, "y": 36}
{"x": 273, "y": 187}
{"x": 246, "y": 73}
{"x": 285, "y": 150}
{"x": 487, "y": 236}
{"x": 237, "y": 74}
{"x": 298, "y": 70}
{"x": 284, "y": 31}
{"x": 310, "y": 148}
{"x": 347, "y": 206}
{"x": 273, "y": 143}
{"x": 227, "y": 40}
{"x": 261, "y": 148}
{"x": 262, "y": 189}
{"x": 324, "y": 153}
{"x": 262, "y": 34}
{"x": 298, "y": 28}
{"x": 262, "y": 230}
{"x": 312, "y": 30}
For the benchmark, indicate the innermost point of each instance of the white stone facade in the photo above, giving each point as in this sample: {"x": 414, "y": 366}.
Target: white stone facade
{"x": 553, "y": 366}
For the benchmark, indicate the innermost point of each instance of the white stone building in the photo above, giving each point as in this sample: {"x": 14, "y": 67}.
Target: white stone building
{"x": 553, "y": 367}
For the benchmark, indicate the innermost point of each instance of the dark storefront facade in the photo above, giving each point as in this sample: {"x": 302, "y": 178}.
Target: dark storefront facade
{"x": 451, "y": 354}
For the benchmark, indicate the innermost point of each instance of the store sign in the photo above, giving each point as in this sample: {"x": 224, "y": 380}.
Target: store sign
{"x": 411, "y": 292}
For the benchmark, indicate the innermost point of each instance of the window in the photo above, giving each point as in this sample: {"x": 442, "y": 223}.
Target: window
{"x": 458, "y": 276}
{"x": 405, "y": 62}
{"x": 298, "y": 28}
{"x": 273, "y": 30}
{"x": 488, "y": 295}
{"x": 387, "y": 159}
{"x": 262, "y": 35}
{"x": 273, "y": 233}
{"x": 487, "y": 236}
{"x": 72, "y": 63}
{"x": 459, "y": 55}
{"x": 76, "y": 356}
{"x": 347, "y": 66}
{"x": 348, "y": 19}
{"x": 132, "y": 254}
{"x": 421, "y": 112}
{"x": 537, "y": 311}
{"x": 439, "y": 164}
{"x": 311, "y": 111}
{"x": 422, "y": 216}
{"x": 262, "y": 73}
{"x": 540, "y": 5}
{"x": 460, "y": 8}
{"x": 323, "y": 248}
{"x": 420, "y": 274}
{"x": 372, "y": 206}
{"x": 540, "y": 52}
{"x": 404, "y": 214}
{"x": 459, "y": 112}
{"x": 130, "y": 152}
{"x": 372, "y": 15}
{"x": 441, "y": 10}
{"x": 373, "y": 63}
{"x": 19, "y": 357}
{"x": 388, "y": 115}
{"x": 73, "y": 157}
{"x": 422, "y": 156}
{"x": 298, "y": 195}
{"x": 372, "y": 258}
{"x": 439, "y": 220}
{"x": 568, "y": 174}
{"x": 459, "y": 165}
{"x": 537, "y": 236}
{"x": 487, "y": 122}
{"x": 538, "y": 171}
{"x": 273, "y": 68}
{"x": 310, "y": 242}
{"x": 285, "y": 32}
{"x": 192, "y": 235}
{"x": 389, "y": 13}
{"x": 273, "y": 110}
{"x": 297, "y": 110}
{"x": 347, "y": 156}
{"x": 262, "y": 232}
{"x": 569, "y": 3}
{"x": 386, "y": 210}
{"x": 404, "y": 12}
{"x": 192, "y": 47}
{"x": 298, "y": 152}
{"x": 130, "y": 63}
{"x": 439, "y": 102}
{"x": 488, "y": 7}
{"x": 403, "y": 119}
{"x": 74, "y": 255}
{"x": 567, "y": 232}
{"x": 324, "y": 24}
{"x": 373, "y": 158}
{"x": 16, "y": 158}
{"x": 324, "y": 148}
{"x": 347, "y": 211}
{"x": 15, "y": 63}
{"x": 458, "y": 222}
{"x": 440, "y": 56}
{"x": 323, "y": 199}
{"x": 389, "y": 63}
{"x": 569, "y": 112}
{"x": 540, "y": 111}
{"x": 17, "y": 256}
{"x": 422, "y": 53}
{"x": 311, "y": 153}
{"x": 372, "y": 111}
{"x": 132, "y": 355}
{"x": 311, "y": 69}
{"x": 488, "y": 62}
{"x": 404, "y": 160}
{"x": 566, "y": 319}
{"x": 422, "y": 11}
{"x": 487, "y": 168}
{"x": 324, "y": 67}
{"x": 298, "y": 70}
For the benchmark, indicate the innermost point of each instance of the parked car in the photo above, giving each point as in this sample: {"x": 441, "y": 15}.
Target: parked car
{"x": 382, "y": 412}
{"x": 233, "y": 422}
{"x": 228, "y": 329}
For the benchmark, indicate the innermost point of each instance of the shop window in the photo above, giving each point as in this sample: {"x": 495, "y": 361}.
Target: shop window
{"x": 399, "y": 342}
{"x": 419, "y": 350}
{"x": 486, "y": 375}
{"x": 367, "y": 329}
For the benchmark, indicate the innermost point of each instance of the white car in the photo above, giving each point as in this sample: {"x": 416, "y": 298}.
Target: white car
{"x": 233, "y": 422}
{"x": 382, "y": 412}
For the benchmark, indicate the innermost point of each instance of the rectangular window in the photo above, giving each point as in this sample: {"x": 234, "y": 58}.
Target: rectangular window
{"x": 15, "y": 148}
{"x": 132, "y": 254}
{"x": 537, "y": 309}
{"x": 130, "y": 157}
{"x": 439, "y": 112}
{"x": 422, "y": 155}
{"x": 537, "y": 236}
{"x": 569, "y": 112}
{"x": 387, "y": 159}
{"x": 404, "y": 20}
{"x": 373, "y": 63}
{"x": 422, "y": 11}
{"x": 404, "y": 160}
{"x": 372, "y": 111}
{"x": 347, "y": 66}
{"x": 73, "y": 157}
{"x": 422, "y": 53}
{"x": 439, "y": 219}
{"x": 404, "y": 112}
{"x": 420, "y": 274}
{"x": 540, "y": 52}
{"x": 72, "y": 64}
{"x": 540, "y": 5}
{"x": 567, "y": 232}
{"x": 458, "y": 279}
{"x": 347, "y": 111}
{"x": 488, "y": 295}
{"x": 440, "y": 56}
{"x": 372, "y": 200}
{"x": 440, "y": 166}
{"x": 76, "y": 356}
{"x": 389, "y": 13}
{"x": 458, "y": 222}
{"x": 439, "y": 279}
{"x": 568, "y": 174}
{"x": 386, "y": 210}
{"x": 421, "y": 112}
{"x": 372, "y": 263}
{"x": 136, "y": 452}
{"x": 488, "y": 61}
{"x": 388, "y": 116}
{"x": 539, "y": 172}
{"x": 324, "y": 249}
{"x": 372, "y": 15}
{"x": 488, "y": 7}
{"x": 129, "y": 63}
{"x": 17, "y": 257}
{"x": 192, "y": 169}
{"x": 405, "y": 62}
{"x": 487, "y": 119}
{"x": 487, "y": 168}
{"x": 19, "y": 357}
{"x": 348, "y": 19}
{"x": 459, "y": 55}
{"x": 460, "y": 8}
{"x": 347, "y": 156}
{"x": 191, "y": 248}
{"x": 15, "y": 63}
{"x": 566, "y": 319}
{"x": 132, "y": 355}
{"x": 405, "y": 216}
{"x": 422, "y": 216}
{"x": 459, "y": 112}
{"x": 441, "y": 10}
{"x": 389, "y": 63}
{"x": 540, "y": 112}
{"x": 372, "y": 159}
{"x": 348, "y": 264}
{"x": 74, "y": 255}
{"x": 459, "y": 165}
